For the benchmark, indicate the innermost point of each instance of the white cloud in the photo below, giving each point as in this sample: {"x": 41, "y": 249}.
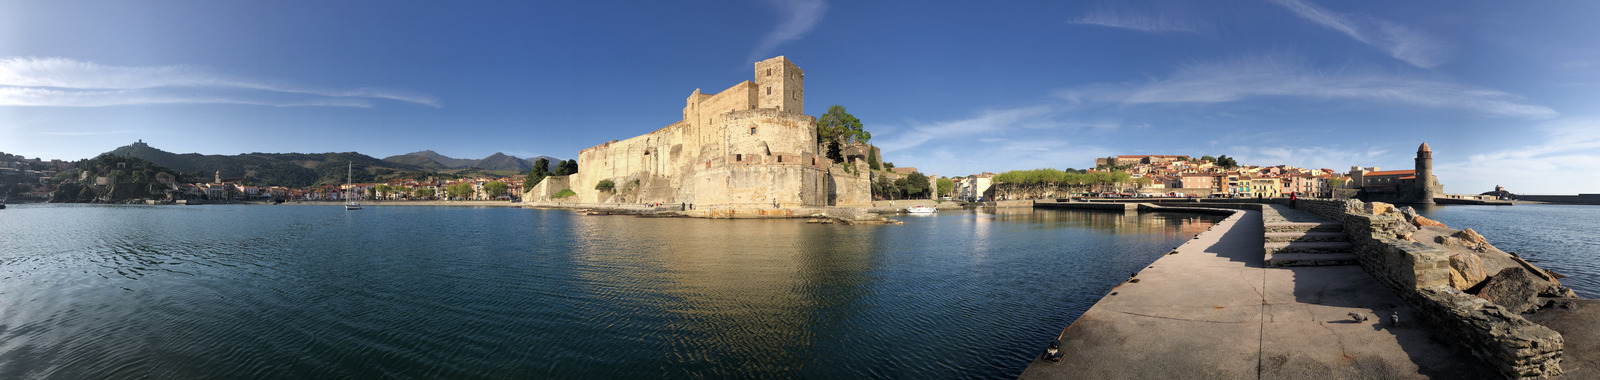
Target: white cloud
{"x": 1266, "y": 76}
{"x": 88, "y": 133}
{"x": 1153, "y": 22}
{"x": 799, "y": 17}
{"x": 1563, "y": 165}
{"x": 987, "y": 122}
{"x": 1399, "y": 41}
{"x": 26, "y": 96}
{"x": 66, "y": 82}
{"x": 991, "y": 140}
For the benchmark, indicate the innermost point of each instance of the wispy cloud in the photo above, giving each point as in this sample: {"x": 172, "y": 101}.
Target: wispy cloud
{"x": 1144, "y": 21}
{"x": 1266, "y": 76}
{"x": 89, "y": 133}
{"x": 994, "y": 139}
{"x": 986, "y": 122}
{"x": 799, "y": 17}
{"x": 28, "y": 81}
{"x": 1559, "y": 165}
{"x": 1399, "y": 41}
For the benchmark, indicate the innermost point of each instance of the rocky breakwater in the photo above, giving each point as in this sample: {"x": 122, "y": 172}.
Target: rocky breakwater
{"x": 1478, "y": 296}
{"x": 850, "y": 216}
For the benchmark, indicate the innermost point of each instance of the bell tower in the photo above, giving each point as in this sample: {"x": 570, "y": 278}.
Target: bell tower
{"x": 780, "y": 85}
{"x": 1424, "y": 175}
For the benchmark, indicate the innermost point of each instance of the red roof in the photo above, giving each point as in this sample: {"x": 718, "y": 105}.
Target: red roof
{"x": 1391, "y": 172}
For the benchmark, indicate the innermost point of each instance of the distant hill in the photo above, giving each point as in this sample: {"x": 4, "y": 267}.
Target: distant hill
{"x": 497, "y": 161}
{"x": 274, "y": 169}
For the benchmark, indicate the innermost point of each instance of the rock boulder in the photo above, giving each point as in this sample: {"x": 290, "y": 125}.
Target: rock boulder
{"x": 1423, "y": 221}
{"x": 1466, "y": 271}
{"x": 1471, "y": 239}
{"x": 1378, "y": 208}
{"x": 1354, "y": 206}
{"x": 1404, "y": 231}
{"x": 1514, "y": 289}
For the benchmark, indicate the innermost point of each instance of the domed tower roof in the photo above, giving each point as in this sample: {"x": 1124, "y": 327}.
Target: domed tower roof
{"x": 1423, "y": 148}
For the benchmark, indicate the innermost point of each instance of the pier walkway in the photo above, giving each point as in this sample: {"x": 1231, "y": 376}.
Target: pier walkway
{"x": 1213, "y": 310}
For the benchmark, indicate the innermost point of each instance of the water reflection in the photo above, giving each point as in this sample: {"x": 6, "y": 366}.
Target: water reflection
{"x": 457, "y": 292}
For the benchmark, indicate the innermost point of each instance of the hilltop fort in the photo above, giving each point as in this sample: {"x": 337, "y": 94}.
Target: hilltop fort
{"x": 750, "y": 146}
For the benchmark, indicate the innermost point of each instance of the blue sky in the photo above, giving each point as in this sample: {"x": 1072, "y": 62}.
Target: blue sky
{"x": 1505, "y": 93}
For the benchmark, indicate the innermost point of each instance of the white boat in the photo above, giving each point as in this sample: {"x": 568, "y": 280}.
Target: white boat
{"x": 353, "y": 205}
{"x": 920, "y": 209}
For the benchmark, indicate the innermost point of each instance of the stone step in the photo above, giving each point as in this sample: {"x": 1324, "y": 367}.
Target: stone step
{"x": 1306, "y": 247}
{"x": 1305, "y": 236}
{"x": 1303, "y": 227}
{"x": 1310, "y": 259}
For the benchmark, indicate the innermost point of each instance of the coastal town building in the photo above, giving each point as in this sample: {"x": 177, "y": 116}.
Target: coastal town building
{"x": 1182, "y": 176}
{"x": 1140, "y": 159}
{"x": 748, "y": 146}
{"x": 975, "y": 187}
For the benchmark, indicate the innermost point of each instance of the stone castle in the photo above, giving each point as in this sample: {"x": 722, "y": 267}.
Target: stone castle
{"x": 750, "y": 146}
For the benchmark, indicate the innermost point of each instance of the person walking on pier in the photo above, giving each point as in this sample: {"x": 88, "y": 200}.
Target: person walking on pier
{"x": 1291, "y": 199}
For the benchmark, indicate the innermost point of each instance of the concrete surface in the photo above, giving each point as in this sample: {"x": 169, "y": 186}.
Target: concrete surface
{"x": 1580, "y": 355}
{"x": 1213, "y": 311}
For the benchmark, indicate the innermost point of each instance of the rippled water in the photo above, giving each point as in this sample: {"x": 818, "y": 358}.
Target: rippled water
{"x": 1561, "y": 238}
{"x": 222, "y": 291}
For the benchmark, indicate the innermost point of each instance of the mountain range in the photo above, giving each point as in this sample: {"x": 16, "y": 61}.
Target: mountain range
{"x": 308, "y": 169}
{"x": 428, "y": 159}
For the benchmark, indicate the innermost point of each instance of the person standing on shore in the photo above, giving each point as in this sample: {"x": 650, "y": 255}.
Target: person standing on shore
{"x": 1291, "y": 199}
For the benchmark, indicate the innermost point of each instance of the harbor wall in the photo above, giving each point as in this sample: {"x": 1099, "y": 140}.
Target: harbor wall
{"x": 1420, "y": 275}
{"x": 1586, "y": 199}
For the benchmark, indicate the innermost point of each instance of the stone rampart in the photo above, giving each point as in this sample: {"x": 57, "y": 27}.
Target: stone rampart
{"x": 1588, "y": 199}
{"x": 546, "y": 189}
{"x": 1420, "y": 275}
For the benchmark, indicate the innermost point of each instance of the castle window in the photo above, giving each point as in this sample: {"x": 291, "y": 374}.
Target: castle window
{"x": 780, "y": 159}
{"x": 752, "y": 130}
{"x": 738, "y": 157}
{"x": 769, "y": 90}
{"x": 769, "y": 72}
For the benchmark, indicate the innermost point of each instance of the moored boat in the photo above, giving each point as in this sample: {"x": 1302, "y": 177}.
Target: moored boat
{"x": 920, "y": 209}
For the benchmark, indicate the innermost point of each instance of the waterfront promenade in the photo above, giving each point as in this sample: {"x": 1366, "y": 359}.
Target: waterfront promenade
{"x": 1213, "y": 310}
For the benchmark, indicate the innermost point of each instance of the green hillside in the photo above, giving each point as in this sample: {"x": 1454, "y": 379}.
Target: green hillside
{"x": 273, "y": 169}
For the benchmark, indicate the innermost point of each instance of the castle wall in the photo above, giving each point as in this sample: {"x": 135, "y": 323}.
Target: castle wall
{"x": 850, "y": 189}
{"x": 750, "y": 145}
{"x": 760, "y": 186}
{"x": 546, "y": 189}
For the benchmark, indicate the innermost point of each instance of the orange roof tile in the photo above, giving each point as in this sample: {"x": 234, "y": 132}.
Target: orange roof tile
{"x": 1390, "y": 172}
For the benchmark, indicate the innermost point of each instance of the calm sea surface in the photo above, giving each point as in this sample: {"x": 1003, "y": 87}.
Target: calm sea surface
{"x": 1561, "y": 238}
{"x": 222, "y": 291}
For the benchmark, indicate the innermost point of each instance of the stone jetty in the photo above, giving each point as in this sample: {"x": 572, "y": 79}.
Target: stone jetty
{"x": 1333, "y": 289}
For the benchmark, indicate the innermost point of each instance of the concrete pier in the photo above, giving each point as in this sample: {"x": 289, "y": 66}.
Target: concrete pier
{"x": 1212, "y": 310}
{"x": 1114, "y": 206}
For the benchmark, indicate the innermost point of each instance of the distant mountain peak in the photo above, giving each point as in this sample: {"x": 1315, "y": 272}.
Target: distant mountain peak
{"x": 496, "y": 161}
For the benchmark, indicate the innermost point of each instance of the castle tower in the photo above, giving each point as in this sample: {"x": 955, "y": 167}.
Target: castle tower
{"x": 1424, "y": 175}
{"x": 781, "y": 85}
